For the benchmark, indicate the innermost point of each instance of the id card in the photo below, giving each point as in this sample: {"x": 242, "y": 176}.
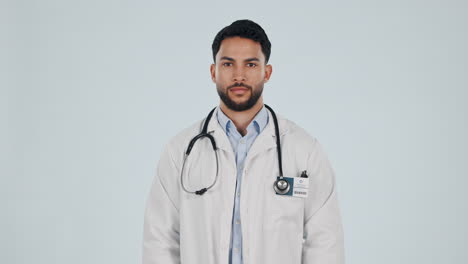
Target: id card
{"x": 299, "y": 186}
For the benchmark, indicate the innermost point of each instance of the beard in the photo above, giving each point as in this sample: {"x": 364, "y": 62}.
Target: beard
{"x": 243, "y": 106}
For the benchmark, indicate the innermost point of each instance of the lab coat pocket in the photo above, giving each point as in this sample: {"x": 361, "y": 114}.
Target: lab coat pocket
{"x": 283, "y": 211}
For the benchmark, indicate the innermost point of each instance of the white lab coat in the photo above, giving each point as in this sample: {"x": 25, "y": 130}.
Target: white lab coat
{"x": 191, "y": 229}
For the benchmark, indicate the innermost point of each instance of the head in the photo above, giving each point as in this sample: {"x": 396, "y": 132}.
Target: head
{"x": 240, "y": 55}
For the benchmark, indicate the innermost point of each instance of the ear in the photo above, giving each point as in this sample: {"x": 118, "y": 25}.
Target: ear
{"x": 268, "y": 71}
{"x": 213, "y": 72}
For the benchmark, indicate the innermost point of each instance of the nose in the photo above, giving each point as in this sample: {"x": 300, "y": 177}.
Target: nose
{"x": 238, "y": 75}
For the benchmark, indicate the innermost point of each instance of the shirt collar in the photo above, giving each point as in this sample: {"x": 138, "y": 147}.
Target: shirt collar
{"x": 260, "y": 120}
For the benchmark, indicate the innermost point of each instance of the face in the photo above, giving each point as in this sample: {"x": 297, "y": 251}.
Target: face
{"x": 240, "y": 73}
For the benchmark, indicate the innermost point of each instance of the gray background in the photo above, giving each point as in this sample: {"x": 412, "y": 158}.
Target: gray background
{"x": 92, "y": 90}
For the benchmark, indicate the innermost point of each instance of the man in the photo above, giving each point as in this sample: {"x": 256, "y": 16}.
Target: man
{"x": 200, "y": 213}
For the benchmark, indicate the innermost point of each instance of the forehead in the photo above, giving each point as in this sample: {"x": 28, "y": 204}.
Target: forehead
{"x": 240, "y": 48}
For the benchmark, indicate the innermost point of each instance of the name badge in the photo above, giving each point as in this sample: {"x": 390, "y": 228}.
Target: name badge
{"x": 299, "y": 186}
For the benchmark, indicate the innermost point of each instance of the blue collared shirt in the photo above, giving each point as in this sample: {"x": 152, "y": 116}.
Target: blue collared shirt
{"x": 240, "y": 145}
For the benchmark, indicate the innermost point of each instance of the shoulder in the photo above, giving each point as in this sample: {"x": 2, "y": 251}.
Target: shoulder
{"x": 178, "y": 143}
{"x": 298, "y": 142}
{"x": 295, "y": 134}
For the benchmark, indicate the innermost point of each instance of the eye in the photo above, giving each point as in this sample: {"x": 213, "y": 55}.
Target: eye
{"x": 250, "y": 64}
{"x": 227, "y": 64}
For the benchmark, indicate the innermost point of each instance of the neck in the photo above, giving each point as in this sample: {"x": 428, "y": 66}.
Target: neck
{"x": 242, "y": 119}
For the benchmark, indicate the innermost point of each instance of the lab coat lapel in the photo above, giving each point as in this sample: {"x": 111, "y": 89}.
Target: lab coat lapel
{"x": 266, "y": 139}
{"x": 215, "y": 129}
{"x": 227, "y": 174}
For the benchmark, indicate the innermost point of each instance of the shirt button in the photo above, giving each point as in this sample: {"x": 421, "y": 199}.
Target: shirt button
{"x": 238, "y": 194}
{"x": 236, "y": 250}
{"x": 242, "y": 141}
{"x": 237, "y": 222}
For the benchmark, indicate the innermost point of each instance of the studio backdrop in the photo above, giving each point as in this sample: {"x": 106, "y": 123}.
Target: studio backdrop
{"x": 91, "y": 91}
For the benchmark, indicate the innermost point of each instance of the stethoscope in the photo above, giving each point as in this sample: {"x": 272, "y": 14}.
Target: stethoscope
{"x": 281, "y": 186}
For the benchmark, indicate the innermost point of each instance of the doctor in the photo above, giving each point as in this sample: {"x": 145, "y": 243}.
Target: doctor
{"x": 243, "y": 185}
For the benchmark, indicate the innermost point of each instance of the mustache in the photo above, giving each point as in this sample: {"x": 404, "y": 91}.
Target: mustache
{"x": 240, "y": 85}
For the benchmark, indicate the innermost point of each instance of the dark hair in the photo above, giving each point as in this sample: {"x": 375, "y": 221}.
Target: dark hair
{"x": 246, "y": 29}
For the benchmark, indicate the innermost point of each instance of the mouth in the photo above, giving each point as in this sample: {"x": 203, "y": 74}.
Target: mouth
{"x": 239, "y": 90}
{"x": 235, "y": 88}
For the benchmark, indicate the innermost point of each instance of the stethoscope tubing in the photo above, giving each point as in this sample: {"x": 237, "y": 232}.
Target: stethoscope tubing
{"x": 215, "y": 149}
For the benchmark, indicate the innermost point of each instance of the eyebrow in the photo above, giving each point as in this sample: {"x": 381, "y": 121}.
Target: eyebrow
{"x": 231, "y": 59}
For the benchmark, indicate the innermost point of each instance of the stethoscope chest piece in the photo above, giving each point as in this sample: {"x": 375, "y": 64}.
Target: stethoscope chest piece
{"x": 281, "y": 186}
